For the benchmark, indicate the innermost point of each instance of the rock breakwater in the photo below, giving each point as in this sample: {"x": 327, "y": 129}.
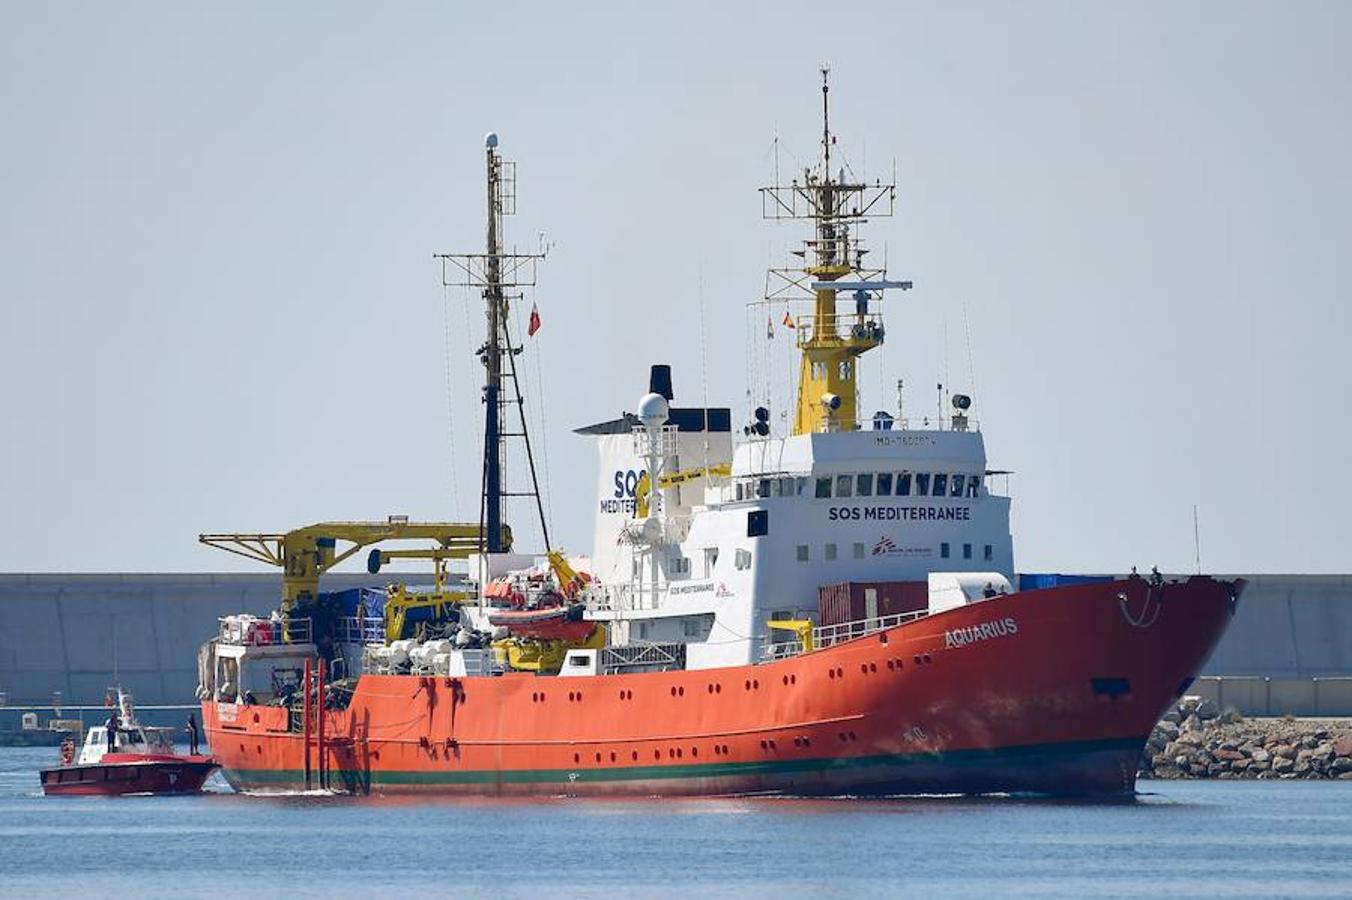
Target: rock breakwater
{"x": 1197, "y": 740}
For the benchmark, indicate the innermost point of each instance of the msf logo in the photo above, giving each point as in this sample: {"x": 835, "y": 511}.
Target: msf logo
{"x": 622, "y": 499}
{"x": 885, "y": 547}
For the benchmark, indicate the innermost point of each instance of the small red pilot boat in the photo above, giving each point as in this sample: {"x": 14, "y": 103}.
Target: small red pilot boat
{"x": 141, "y": 761}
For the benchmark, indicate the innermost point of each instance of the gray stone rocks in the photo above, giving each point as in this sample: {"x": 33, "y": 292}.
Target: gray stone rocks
{"x": 1196, "y": 740}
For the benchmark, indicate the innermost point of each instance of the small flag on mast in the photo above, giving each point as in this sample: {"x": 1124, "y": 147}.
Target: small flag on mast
{"x": 534, "y": 325}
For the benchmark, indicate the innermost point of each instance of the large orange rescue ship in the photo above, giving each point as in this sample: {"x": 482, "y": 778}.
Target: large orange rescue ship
{"x": 832, "y": 610}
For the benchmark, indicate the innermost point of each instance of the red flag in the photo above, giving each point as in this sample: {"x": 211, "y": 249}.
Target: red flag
{"x": 534, "y": 325}
{"x": 788, "y": 320}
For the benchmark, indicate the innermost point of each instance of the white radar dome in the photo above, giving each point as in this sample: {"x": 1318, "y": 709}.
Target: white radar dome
{"x": 491, "y": 139}
{"x": 653, "y": 410}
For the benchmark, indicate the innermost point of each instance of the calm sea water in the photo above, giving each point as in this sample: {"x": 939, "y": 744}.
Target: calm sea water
{"x": 1221, "y": 838}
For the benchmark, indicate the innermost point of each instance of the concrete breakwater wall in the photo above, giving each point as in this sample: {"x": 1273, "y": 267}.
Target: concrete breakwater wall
{"x": 1197, "y": 740}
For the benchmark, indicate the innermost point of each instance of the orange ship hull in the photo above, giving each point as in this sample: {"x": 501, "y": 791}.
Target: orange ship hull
{"x": 1048, "y": 691}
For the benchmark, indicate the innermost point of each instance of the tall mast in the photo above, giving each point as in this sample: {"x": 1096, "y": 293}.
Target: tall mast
{"x": 490, "y": 504}
{"x": 500, "y": 276}
{"x": 830, "y": 342}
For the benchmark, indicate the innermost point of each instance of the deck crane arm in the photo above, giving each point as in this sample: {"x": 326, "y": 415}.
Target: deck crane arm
{"x": 672, "y": 479}
{"x": 304, "y": 554}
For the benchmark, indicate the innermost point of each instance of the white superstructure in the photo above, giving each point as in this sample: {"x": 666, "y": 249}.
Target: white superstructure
{"x": 794, "y": 513}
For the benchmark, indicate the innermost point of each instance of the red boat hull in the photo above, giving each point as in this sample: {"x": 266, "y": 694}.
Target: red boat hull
{"x": 1052, "y": 691}
{"x": 130, "y": 773}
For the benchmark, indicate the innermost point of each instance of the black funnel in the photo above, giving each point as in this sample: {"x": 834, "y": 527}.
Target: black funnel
{"x": 659, "y": 381}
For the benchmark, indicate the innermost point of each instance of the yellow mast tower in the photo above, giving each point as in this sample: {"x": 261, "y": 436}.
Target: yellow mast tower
{"x": 833, "y": 261}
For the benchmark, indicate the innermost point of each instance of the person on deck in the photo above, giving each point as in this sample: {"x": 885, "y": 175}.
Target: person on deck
{"x": 192, "y": 734}
{"x": 111, "y": 727}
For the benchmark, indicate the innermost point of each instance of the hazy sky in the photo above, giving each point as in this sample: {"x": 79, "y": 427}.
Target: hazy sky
{"x": 219, "y": 310}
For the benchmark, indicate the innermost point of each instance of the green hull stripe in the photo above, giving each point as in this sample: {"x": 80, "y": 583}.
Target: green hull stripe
{"x": 688, "y": 770}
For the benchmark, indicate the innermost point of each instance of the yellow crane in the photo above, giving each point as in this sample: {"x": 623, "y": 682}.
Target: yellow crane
{"x": 304, "y": 554}
{"x": 801, "y": 628}
{"x": 671, "y": 479}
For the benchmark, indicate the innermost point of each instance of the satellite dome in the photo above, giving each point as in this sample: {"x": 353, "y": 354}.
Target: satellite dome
{"x": 653, "y": 410}
{"x": 491, "y": 139}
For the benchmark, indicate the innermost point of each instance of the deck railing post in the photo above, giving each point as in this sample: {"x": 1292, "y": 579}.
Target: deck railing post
{"x": 305, "y": 720}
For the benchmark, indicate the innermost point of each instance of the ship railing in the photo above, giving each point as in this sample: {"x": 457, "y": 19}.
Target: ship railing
{"x": 244, "y": 630}
{"x": 352, "y": 630}
{"x": 622, "y": 597}
{"x": 825, "y": 636}
{"x": 662, "y": 657}
{"x": 840, "y": 327}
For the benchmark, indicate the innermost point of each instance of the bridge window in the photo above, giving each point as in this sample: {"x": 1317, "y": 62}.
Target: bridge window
{"x": 819, "y": 371}
{"x": 922, "y": 484}
{"x": 955, "y": 490}
{"x": 858, "y": 551}
{"x": 802, "y": 553}
{"x": 990, "y": 553}
{"x": 943, "y": 550}
{"x": 823, "y": 488}
{"x": 800, "y": 485}
{"x": 864, "y": 485}
{"x": 741, "y": 560}
{"x": 904, "y": 484}
{"x": 710, "y": 559}
{"x": 884, "y": 484}
{"x": 966, "y": 551}
{"x": 973, "y": 485}
{"x": 830, "y": 552}
{"x": 844, "y": 485}
{"x": 786, "y": 487}
{"x": 940, "y": 484}
{"x": 758, "y": 523}
{"x": 845, "y": 368}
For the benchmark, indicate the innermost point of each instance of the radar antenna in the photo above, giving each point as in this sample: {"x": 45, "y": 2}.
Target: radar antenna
{"x": 833, "y": 260}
